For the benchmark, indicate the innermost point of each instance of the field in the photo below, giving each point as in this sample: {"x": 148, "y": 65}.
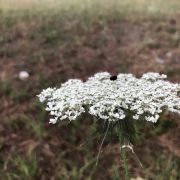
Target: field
{"x": 57, "y": 40}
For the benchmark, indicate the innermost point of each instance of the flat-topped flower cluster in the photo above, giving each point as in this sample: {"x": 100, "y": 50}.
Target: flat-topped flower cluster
{"x": 113, "y": 99}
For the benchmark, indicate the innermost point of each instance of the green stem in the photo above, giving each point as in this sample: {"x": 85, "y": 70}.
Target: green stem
{"x": 102, "y": 143}
{"x": 126, "y": 170}
{"x": 122, "y": 150}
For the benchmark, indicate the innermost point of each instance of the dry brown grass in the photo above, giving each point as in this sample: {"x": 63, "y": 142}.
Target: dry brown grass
{"x": 91, "y": 6}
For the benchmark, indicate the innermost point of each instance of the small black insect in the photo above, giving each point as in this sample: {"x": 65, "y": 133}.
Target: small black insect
{"x": 113, "y": 78}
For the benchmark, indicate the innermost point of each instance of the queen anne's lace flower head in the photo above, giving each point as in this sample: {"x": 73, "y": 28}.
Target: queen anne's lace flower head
{"x": 114, "y": 98}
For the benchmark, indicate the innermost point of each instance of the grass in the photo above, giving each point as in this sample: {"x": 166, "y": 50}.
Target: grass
{"x": 19, "y": 168}
{"x": 92, "y": 6}
{"x": 86, "y": 11}
{"x": 74, "y": 39}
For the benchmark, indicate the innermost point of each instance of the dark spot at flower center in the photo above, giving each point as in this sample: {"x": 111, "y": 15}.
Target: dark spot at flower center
{"x": 113, "y": 78}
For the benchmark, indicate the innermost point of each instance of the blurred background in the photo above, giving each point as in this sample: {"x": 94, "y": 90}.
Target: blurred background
{"x": 44, "y": 43}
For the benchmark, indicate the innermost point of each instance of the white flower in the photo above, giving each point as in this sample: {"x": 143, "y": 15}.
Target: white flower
{"x": 136, "y": 117}
{"x": 23, "y": 75}
{"x": 53, "y": 121}
{"x": 112, "y": 99}
{"x": 153, "y": 76}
